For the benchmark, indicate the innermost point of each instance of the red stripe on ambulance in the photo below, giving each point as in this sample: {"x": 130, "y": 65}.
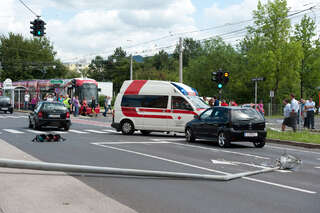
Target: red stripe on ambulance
{"x": 135, "y": 87}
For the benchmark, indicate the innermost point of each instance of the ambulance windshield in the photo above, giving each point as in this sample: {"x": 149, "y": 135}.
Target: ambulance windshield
{"x": 197, "y": 102}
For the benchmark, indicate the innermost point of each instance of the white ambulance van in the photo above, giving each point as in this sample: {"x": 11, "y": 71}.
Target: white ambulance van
{"x": 155, "y": 106}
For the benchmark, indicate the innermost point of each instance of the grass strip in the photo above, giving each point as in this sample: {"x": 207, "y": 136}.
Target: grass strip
{"x": 299, "y": 136}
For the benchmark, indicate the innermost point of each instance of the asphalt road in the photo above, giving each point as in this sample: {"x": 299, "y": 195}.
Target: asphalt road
{"x": 93, "y": 142}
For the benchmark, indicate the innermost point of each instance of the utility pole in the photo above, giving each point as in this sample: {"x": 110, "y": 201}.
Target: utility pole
{"x": 131, "y": 67}
{"x": 256, "y": 89}
{"x": 180, "y": 61}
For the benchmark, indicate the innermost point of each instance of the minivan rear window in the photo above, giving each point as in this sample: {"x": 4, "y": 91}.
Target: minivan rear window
{"x": 246, "y": 114}
{"x": 148, "y": 101}
{"x": 53, "y": 107}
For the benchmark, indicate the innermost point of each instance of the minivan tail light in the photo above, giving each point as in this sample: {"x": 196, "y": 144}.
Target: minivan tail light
{"x": 68, "y": 114}
{"x": 40, "y": 114}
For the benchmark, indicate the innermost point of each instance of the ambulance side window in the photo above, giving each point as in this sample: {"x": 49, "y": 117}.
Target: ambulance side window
{"x": 132, "y": 100}
{"x": 178, "y": 102}
{"x": 155, "y": 101}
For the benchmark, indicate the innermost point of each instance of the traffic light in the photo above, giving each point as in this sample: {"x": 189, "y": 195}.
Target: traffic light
{"x": 214, "y": 76}
{"x": 37, "y": 27}
{"x": 226, "y": 76}
{"x": 222, "y": 78}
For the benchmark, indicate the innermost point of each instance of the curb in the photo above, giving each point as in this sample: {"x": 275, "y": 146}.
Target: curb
{"x": 294, "y": 143}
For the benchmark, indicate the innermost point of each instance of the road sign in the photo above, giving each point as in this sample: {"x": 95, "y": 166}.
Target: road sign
{"x": 271, "y": 93}
{"x": 55, "y": 81}
{"x": 258, "y": 79}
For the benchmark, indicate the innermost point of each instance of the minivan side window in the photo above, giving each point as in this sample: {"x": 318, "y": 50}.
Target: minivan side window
{"x": 178, "y": 102}
{"x": 148, "y": 101}
{"x": 221, "y": 114}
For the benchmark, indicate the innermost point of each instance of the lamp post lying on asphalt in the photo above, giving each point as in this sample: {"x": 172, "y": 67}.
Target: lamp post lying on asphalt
{"x": 285, "y": 162}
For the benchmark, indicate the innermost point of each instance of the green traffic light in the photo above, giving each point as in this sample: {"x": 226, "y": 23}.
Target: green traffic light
{"x": 39, "y": 32}
{"x": 219, "y": 85}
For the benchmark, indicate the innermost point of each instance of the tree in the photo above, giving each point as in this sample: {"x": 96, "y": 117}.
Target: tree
{"x": 269, "y": 51}
{"x": 24, "y": 59}
{"x": 304, "y": 33}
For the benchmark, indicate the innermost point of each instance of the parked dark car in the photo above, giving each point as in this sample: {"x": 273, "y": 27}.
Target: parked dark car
{"x": 227, "y": 124}
{"x": 50, "y": 114}
{"x": 5, "y": 104}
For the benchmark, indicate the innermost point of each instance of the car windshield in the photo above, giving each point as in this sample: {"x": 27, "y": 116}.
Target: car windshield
{"x": 197, "y": 102}
{"x": 53, "y": 107}
{"x": 246, "y": 114}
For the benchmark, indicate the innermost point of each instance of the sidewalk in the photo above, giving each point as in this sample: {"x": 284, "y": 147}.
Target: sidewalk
{"x": 31, "y": 191}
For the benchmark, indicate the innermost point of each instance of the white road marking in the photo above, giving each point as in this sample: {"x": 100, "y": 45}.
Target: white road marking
{"x": 109, "y": 130}
{"x": 221, "y": 150}
{"x": 291, "y": 149}
{"x": 77, "y": 131}
{"x": 35, "y": 131}
{"x": 13, "y": 131}
{"x": 222, "y": 162}
{"x": 94, "y": 131}
{"x": 207, "y": 169}
{"x": 119, "y": 143}
{"x": 258, "y": 166}
{"x": 59, "y": 132}
{"x": 318, "y": 158}
{"x": 318, "y": 167}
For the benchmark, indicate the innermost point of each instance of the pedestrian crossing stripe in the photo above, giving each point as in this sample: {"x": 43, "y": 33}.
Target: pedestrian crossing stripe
{"x": 13, "y": 131}
{"x": 95, "y": 131}
{"x": 87, "y": 131}
{"x": 77, "y": 131}
{"x": 11, "y": 116}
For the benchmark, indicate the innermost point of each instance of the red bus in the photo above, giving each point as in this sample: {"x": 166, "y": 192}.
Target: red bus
{"x": 85, "y": 88}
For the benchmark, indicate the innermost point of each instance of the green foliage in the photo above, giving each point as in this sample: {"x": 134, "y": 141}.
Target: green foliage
{"x": 23, "y": 58}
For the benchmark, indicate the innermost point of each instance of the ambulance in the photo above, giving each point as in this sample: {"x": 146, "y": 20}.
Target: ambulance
{"x": 155, "y": 106}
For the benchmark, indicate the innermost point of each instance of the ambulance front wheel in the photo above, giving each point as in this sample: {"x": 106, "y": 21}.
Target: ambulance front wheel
{"x": 127, "y": 127}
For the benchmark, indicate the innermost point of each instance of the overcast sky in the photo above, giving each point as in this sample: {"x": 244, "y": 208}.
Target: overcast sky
{"x": 81, "y": 29}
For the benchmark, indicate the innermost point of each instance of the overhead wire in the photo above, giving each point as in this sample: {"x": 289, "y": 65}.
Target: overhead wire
{"x": 26, "y": 6}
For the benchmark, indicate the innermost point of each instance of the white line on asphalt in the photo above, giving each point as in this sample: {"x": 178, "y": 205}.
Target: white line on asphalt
{"x": 59, "y": 132}
{"x": 207, "y": 169}
{"x": 119, "y": 143}
{"x": 318, "y": 167}
{"x": 13, "y": 131}
{"x": 94, "y": 131}
{"x": 110, "y": 130}
{"x": 35, "y": 131}
{"x": 318, "y": 158}
{"x": 221, "y": 150}
{"x": 258, "y": 166}
{"x": 291, "y": 149}
{"x": 77, "y": 131}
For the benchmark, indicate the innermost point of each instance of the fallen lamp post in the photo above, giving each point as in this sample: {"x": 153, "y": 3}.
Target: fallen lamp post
{"x": 285, "y": 162}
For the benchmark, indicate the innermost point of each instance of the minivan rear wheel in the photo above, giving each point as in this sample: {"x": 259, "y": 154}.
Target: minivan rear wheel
{"x": 127, "y": 128}
{"x": 223, "y": 141}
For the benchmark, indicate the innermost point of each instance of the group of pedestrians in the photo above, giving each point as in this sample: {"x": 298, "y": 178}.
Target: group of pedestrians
{"x": 214, "y": 101}
{"x": 294, "y": 110}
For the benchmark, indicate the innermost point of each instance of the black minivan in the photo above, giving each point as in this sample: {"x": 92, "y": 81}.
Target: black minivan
{"x": 227, "y": 124}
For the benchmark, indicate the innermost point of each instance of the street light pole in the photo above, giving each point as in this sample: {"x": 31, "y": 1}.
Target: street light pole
{"x": 180, "y": 61}
{"x": 131, "y": 67}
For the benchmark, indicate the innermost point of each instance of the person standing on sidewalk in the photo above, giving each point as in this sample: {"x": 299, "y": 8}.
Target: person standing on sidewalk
{"x": 286, "y": 114}
{"x": 294, "y": 112}
{"x": 310, "y": 107}
{"x": 67, "y": 102}
{"x": 26, "y": 100}
{"x": 76, "y": 106}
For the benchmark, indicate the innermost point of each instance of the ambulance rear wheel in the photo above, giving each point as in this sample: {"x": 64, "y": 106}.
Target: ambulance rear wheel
{"x": 127, "y": 127}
